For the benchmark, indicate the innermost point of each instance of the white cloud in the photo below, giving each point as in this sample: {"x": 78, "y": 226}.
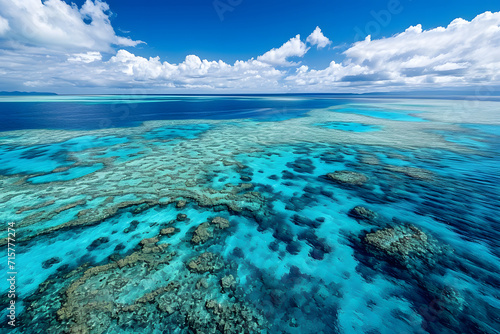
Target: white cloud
{"x": 55, "y": 24}
{"x": 293, "y": 48}
{"x": 475, "y": 44}
{"x": 4, "y": 26}
{"x": 87, "y": 57}
{"x": 317, "y": 38}
{"x": 450, "y": 66}
{"x": 194, "y": 72}
{"x": 34, "y": 84}
{"x": 462, "y": 54}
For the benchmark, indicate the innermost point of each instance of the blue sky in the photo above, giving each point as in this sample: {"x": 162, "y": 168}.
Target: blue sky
{"x": 173, "y": 29}
{"x": 124, "y": 36}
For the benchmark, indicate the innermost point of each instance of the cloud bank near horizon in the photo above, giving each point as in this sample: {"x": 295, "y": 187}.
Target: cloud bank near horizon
{"x": 61, "y": 46}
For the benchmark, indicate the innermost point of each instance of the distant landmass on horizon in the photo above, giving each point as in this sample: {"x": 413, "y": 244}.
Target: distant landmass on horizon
{"x": 17, "y": 93}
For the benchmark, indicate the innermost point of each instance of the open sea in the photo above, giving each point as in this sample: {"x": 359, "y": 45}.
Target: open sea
{"x": 249, "y": 214}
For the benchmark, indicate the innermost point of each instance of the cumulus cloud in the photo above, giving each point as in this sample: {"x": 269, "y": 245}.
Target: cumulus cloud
{"x": 462, "y": 54}
{"x": 317, "y": 38}
{"x": 473, "y": 46}
{"x": 87, "y": 57}
{"x": 55, "y": 24}
{"x": 293, "y": 48}
{"x": 194, "y": 72}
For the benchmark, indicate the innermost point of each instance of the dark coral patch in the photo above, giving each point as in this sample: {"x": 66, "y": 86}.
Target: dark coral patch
{"x": 97, "y": 242}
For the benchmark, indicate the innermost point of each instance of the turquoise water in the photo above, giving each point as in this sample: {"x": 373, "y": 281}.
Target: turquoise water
{"x": 69, "y": 174}
{"x": 116, "y": 228}
{"x": 396, "y": 115}
{"x": 345, "y": 126}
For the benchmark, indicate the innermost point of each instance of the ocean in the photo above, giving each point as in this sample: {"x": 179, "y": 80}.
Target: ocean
{"x": 250, "y": 214}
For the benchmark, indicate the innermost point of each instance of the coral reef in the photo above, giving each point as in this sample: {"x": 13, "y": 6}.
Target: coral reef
{"x": 99, "y": 298}
{"x": 362, "y": 213}
{"x": 233, "y": 227}
{"x": 201, "y": 234}
{"x": 348, "y": 177}
{"x": 403, "y": 244}
{"x": 413, "y": 172}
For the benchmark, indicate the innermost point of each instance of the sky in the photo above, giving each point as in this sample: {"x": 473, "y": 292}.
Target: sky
{"x": 249, "y": 46}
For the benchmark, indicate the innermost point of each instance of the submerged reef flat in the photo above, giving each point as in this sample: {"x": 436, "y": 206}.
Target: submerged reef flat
{"x": 250, "y": 226}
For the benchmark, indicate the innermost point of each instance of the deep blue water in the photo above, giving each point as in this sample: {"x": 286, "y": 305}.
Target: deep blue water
{"x": 97, "y": 112}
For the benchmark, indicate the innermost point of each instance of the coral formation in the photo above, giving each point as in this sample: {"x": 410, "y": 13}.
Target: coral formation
{"x": 348, "y": 177}
{"x": 233, "y": 227}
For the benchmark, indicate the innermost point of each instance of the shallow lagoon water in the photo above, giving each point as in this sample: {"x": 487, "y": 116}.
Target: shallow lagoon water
{"x": 348, "y": 126}
{"x": 106, "y": 243}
